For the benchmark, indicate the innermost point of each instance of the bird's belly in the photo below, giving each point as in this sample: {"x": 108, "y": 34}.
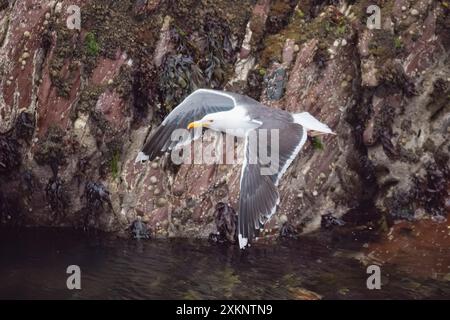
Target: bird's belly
{"x": 239, "y": 128}
{"x": 237, "y": 132}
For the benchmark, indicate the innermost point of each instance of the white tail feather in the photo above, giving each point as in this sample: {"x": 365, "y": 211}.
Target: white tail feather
{"x": 242, "y": 242}
{"x": 141, "y": 157}
{"x": 310, "y": 123}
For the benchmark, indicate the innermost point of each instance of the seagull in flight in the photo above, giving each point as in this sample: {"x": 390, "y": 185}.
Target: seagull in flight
{"x": 240, "y": 116}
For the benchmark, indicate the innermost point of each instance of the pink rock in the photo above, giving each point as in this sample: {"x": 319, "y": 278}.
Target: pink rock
{"x": 113, "y": 108}
{"x": 163, "y": 46}
{"x": 107, "y": 69}
{"x": 288, "y": 52}
{"x": 423, "y": 50}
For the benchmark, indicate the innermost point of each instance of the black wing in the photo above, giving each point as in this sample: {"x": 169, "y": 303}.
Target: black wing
{"x": 194, "y": 107}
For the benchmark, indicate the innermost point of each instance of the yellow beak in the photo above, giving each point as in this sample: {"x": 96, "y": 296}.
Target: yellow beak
{"x": 195, "y": 124}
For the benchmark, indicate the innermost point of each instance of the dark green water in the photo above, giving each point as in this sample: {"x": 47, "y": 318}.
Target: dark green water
{"x": 33, "y": 265}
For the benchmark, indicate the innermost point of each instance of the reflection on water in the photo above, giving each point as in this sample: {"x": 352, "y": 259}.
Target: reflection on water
{"x": 33, "y": 265}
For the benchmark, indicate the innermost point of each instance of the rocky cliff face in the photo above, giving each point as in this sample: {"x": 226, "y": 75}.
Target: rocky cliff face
{"x": 77, "y": 105}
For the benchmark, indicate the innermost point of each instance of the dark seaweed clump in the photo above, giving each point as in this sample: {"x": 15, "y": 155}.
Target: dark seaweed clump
{"x": 226, "y": 223}
{"x": 428, "y": 192}
{"x": 96, "y": 196}
{"x": 56, "y": 195}
{"x": 200, "y": 60}
{"x": 431, "y": 191}
{"x": 180, "y": 76}
{"x": 141, "y": 84}
{"x": 139, "y": 229}
{"x": 329, "y": 221}
{"x": 10, "y": 158}
{"x": 3, "y": 4}
{"x": 384, "y": 130}
{"x": 288, "y": 231}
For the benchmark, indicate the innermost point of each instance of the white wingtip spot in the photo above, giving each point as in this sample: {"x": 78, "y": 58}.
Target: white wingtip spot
{"x": 141, "y": 157}
{"x": 242, "y": 242}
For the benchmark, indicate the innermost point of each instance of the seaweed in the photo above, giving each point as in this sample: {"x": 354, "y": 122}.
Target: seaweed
{"x": 3, "y": 4}
{"x": 288, "y": 231}
{"x": 398, "y": 43}
{"x": 431, "y": 191}
{"x": 25, "y": 125}
{"x": 280, "y": 14}
{"x": 328, "y": 221}
{"x": 139, "y": 229}
{"x": 143, "y": 86}
{"x": 384, "y": 132}
{"x": 10, "y": 158}
{"x": 206, "y": 62}
{"x": 87, "y": 102}
{"x": 439, "y": 97}
{"x": 219, "y": 52}
{"x": 56, "y": 195}
{"x": 66, "y": 48}
{"x": 255, "y": 82}
{"x": 226, "y": 223}
{"x": 50, "y": 150}
{"x": 180, "y": 76}
{"x": 114, "y": 164}
{"x": 96, "y": 195}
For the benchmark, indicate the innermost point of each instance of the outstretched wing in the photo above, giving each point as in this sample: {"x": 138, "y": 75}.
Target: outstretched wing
{"x": 194, "y": 107}
{"x": 258, "y": 195}
{"x": 258, "y": 198}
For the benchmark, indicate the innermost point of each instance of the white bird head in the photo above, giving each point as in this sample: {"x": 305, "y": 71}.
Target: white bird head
{"x": 211, "y": 121}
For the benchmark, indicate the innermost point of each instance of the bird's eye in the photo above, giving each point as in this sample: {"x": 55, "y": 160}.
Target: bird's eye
{"x": 211, "y": 121}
